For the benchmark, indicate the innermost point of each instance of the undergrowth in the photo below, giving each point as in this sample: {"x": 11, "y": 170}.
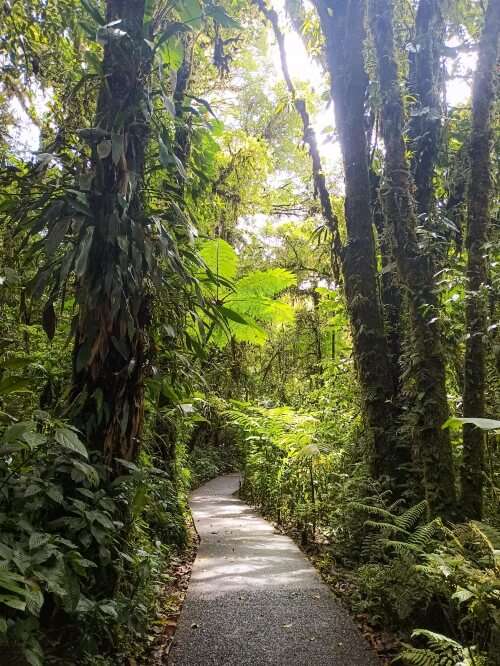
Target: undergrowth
{"x": 437, "y": 586}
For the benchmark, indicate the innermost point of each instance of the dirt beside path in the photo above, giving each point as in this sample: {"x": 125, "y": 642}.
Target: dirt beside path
{"x": 254, "y": 598}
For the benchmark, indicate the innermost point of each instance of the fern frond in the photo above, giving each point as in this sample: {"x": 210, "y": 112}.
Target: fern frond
{"x": 490, "y": 537}
{"x": 438, "y": 642}
{"x": 386, "y": 527}
{"x": 424, "y": 534}
{"x": 402, "y": 547}
{"x": 442, "y": 651}
{"x": 415, "y": 657}
{"x": 411, "y": 516}
{"x": 373, "y": 510}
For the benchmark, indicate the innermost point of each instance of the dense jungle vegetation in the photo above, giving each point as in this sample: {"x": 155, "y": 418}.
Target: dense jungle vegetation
{"x": 238, "y": 236}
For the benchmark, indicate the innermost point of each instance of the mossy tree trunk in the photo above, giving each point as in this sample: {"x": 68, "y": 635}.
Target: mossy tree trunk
{"x": 416, "y": 274}
{"x": 342, "y": 24}
{"x": 425, "y": 84}
{"x": 478, "y": 205}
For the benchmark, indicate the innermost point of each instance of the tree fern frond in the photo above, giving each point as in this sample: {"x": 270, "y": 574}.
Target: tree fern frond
{"x": 265, "y": 283}
{"x": 220, "y": 258}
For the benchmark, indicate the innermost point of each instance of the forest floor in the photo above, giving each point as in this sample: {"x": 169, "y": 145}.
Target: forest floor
{"x": 254, "y": 598}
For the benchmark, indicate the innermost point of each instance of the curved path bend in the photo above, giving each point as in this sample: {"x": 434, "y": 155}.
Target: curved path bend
{"x": 254, "y": 598}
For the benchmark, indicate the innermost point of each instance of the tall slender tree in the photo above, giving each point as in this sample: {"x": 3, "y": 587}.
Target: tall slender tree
{"x": 415, "y": 270}
{"x": 343, "y": 26}
{"x": 478, "y": 222}
{"x": 309, "y": 137}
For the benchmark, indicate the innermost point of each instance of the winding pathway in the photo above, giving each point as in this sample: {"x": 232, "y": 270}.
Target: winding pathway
{"x": 254, "y": 598}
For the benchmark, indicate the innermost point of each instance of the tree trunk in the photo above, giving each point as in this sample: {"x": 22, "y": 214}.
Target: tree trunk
{"x": 478, "y": 201}
{"x": 342, "y": 23}
{"x": 416, "y": 275}
{"x": 426, "y": 112}
{"x": 390, "y": 289}
{"x": 110, "y": 340}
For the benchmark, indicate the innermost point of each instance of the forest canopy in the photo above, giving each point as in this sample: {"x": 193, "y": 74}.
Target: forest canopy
{"x": 258, "y": 236}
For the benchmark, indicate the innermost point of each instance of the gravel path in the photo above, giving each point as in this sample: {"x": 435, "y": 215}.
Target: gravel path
{"x": 254, "y": 598}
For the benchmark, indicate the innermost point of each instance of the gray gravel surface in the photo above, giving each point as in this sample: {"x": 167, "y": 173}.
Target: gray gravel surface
{"x": 254, "y": 598}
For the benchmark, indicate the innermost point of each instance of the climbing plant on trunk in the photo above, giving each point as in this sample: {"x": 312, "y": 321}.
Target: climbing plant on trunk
{"x": 425, "y": 79}
{"x": 478, "y": 223}
{"x": 111, "y": 332}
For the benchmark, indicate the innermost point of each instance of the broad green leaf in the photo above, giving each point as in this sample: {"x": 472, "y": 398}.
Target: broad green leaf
{"x": 220, "y": 16}
{"x": 12, "y": 384}
{"x": 69, "y": 440}
{"x": 172, "y": 29}
{"x": 12, "y": 602}
{"x": 220, "y": 258}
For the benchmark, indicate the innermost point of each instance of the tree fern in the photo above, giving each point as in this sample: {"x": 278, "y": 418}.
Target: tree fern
{"x": 244, "y": 304}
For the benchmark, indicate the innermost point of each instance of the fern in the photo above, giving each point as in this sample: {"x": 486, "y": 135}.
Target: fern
{"x": 490, "y": 537}
{"x": 246, "y": 303}
{"x": 401, "y": 547}
{"x": 220, "y": 258}
{"x": 441, "y": 651}
{"x": 387, "y": 528}
{"x": 424, "y": 534}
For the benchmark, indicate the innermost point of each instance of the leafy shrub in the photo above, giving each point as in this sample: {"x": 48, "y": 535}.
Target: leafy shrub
{"x": 59, "y": 529}
{"x": 75, "y": 550}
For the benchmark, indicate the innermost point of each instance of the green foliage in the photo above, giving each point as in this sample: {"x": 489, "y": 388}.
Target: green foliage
{"x": 247, "y": 303}
{"x": 244, "y": 341}
{"x": 59, "y": 528}
{"x": 442, "y": 651}
{"x": 74, "y": 546}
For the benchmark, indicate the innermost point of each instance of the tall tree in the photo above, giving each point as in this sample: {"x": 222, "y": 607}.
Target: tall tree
{"x": 478, "y": 218}
{"x": 111, "y": 337}
{"x": 342, "y": 24}
{"x": 415, "y": 270}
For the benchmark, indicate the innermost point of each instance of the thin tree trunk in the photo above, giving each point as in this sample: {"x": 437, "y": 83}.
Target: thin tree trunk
{"x": 110, "y": 340}
{"x": 478, "y": 201}
{"x": 309, "y": 138}
{"x": 415, "y": 270}
{"x": 342, "y": 23}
